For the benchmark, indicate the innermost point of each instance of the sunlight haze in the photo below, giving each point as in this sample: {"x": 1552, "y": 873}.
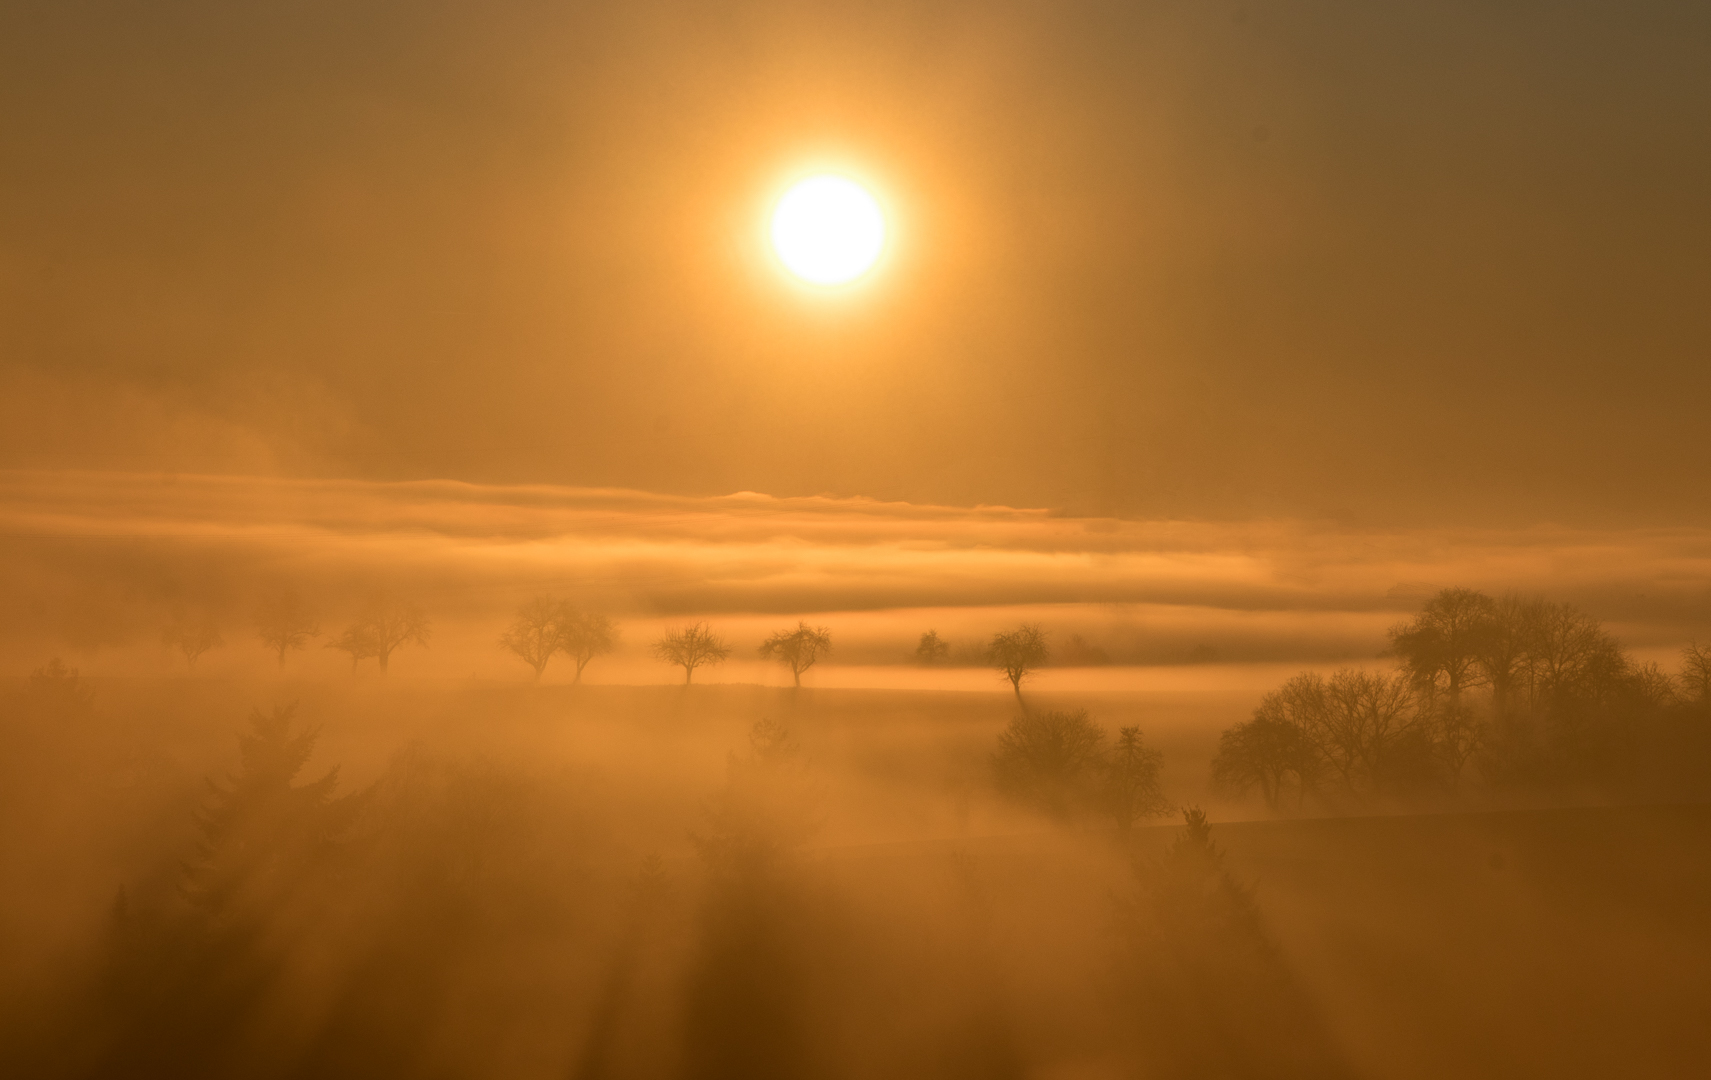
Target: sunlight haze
{"x": 929, "y": 540}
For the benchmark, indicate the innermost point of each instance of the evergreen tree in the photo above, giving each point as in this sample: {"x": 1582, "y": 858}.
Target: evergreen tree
{"x": 1132, "y": 787}
{"x": 261, "y": 832}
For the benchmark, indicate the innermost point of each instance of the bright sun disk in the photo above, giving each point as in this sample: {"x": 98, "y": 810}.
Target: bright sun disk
{"x": 828, "y": 230}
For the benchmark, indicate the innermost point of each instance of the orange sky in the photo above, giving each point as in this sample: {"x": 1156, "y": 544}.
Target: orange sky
{"x": 1387, "y": 264}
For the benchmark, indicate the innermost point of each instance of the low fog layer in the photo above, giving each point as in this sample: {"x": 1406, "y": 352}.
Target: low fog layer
{"x": 1227, "y": 596}
{"x": 99, "y": 564}
{"x": 1415, "y": 864}
{"x": 264, "y": 878}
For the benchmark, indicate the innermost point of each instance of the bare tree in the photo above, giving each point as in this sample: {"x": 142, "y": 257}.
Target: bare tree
{"x": 358, "y": 641}
{"x": 1696, "y": 672}
{"x": 1017, "y": 653}
{"x": 1352, "y": 723}
{"x": 1457, "y": 733}
{"x": 692, "y": 647}
{"x": 192, "y": 636}
{"x": 1570, "y": 655}
{"x": 585, "y": 635}
{"x": 1461, "y": 638}
{"x": 1366, "y": 714}
{"x": 932, "y": 649}
{"x": 1132, "y": 787}
{"x": 1502, "y": 648}
{"x": 1265, "y": 752}
{"x": 384, "y": 626}
{"x": 1050, "y": 760}
{"x": 797, "y": 649}
{"x": 283, "y": 623}
{"x": 1440, "y": 648}
{"x": 1653, "y": 688}
{"x": 536, "y": 633}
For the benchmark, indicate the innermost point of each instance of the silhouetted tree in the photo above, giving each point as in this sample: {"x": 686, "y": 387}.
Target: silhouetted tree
{"x": 584, "y": 635}
{"x": 1212, "y": 994}
{"x": 1440, "y": 648}
{"x": 1456, "y": 734}
{"x": 1017, "y": 653}
{"x": 1575, "y": 695}
{"x": 385, "y": 625}
{"x": 1190, "y": 891}
{"x": 192, "y": 636}
{"x": 1570, "y": 656}
{"x": 932, "y": 649}
{"x": 1696, "y": 673}
{"x": 537, "y": 632}
{"x": 260, "y": 832}
{"x": 1132, "y": 790}
{"x": 1501, "y": 648}
{"x": 357, "y": 640}
{"x": 1566, "y": 705}
{"x": 1265, "y": 752}
{"x": 692, "y": 647}
{"x": 1653, "y": 688}
{"x": 1051, "y": 761}
{"x": 1355, "y": 724}
{"x": 187, "y": 989}
{"x": 797, "y": 649}
{"x": 284, "y": 624}
{"x": 1365, "y": 714}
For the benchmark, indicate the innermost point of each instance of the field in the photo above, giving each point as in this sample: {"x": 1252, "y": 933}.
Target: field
{"x": 505, "y": 915}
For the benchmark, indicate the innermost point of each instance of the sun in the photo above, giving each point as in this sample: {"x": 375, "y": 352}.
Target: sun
{"x": 828, "y": 230}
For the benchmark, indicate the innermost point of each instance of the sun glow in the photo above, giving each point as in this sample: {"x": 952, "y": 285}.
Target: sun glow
{"x": 828, "y": 230}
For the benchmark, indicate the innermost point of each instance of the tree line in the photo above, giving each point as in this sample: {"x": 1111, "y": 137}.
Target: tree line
{"x": 1509, "y": 690}
{"x": 284, "y": 624}
{"x": 547, "y": 626}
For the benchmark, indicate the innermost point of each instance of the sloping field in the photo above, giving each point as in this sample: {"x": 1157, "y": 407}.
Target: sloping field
{"x": 923, "y": 927}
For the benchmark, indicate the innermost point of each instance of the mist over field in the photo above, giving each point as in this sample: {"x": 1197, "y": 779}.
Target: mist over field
{"x": 101, "y": 562}
{"x": 1163, "y": 540}
{"x": 339, "y": 778}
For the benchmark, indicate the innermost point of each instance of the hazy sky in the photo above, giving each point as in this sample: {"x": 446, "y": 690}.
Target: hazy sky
{"x": 1386, "y": 262}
